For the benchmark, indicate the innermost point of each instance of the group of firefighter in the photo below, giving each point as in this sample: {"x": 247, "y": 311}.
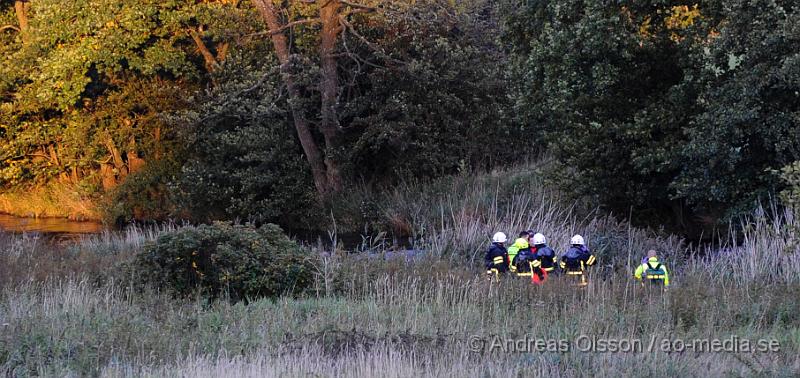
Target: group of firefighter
{"x": 530, "y": 256}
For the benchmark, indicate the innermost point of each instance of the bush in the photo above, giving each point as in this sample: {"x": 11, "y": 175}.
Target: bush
{"x": 143, "y": 195}
{"x": 243, "y": 262}
{"x": 790, "y": 175}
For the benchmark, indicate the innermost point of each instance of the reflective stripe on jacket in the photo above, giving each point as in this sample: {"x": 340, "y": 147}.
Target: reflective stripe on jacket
{"x": 650, "y": 271}
{"x": 519, "y": 245}
{"x": 547, "y": 257}
{"x": 496, "y": 258}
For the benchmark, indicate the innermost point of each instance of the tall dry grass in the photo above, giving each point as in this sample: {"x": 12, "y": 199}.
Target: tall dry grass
{"x": 764, "y": 248}
{"x": 397, "y": 326}
{"x": 455, "y": 217}
{"x": 34, "y": 257}
{"x": 384, "y": 313}
{"x": 51, "y": 201}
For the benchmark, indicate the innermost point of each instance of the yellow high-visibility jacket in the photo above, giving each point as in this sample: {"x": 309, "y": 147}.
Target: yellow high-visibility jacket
{"x": 520, "y": 243}
{"x": 651, "y": 271}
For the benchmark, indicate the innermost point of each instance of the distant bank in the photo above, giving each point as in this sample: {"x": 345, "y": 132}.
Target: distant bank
{"x": 10, "y": 223}
{"x": 50, "y": 201}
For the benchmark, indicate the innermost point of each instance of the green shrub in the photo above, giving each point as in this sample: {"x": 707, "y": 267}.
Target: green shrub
{"x": 143, "y": 195}
{"x": 243, "y": 262}
{"x": 791, "y": 178}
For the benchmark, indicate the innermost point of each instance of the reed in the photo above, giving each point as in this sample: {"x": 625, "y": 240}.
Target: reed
{"x": 64, "y": 312}
{"x": 51, "y": 201}
{"x": 396, "y": 326}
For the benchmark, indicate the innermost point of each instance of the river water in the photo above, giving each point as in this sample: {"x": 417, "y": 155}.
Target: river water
{"x": 10, "y": 223}
{"x": 62, "y": 229}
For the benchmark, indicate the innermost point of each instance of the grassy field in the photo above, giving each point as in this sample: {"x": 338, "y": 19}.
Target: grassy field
{"x": 68, "y": 310}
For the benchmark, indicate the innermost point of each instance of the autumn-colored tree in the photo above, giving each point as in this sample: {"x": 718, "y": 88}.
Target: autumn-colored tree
{"x": 83, "y": 83}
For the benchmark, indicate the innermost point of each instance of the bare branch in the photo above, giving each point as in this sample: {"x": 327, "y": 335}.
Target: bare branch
{"x": 369, "y": 44}
{"x": 295, "y": 23}
{"x": 356, "y": 11}
{"x": 211, "y": 61}
{"x": 12, "y": 27}
{"x": 222, "y": 52}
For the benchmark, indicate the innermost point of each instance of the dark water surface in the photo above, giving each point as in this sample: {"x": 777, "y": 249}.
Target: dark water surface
{"x": 10, "y": 223}
{"x": 64, "y": 230}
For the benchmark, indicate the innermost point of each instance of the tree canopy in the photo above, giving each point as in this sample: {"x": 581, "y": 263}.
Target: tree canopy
{"x": 666, "y": 107}
{"x": 675, "y": 111}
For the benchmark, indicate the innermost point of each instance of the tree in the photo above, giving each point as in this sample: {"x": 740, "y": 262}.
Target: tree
{"x": 748, "y": 124}
{"x": 376, "y": 90}
{"x": 86, "y": 81}
{"x": 243, "y": 161}
{"x": 653, "y": 106}
{"x": 603, "y": 86}
{"x": 330, "y": 24}
{"x": 439, "y": 105}
{"x": 331, "y": 14}
{"x": 422, "y": 96}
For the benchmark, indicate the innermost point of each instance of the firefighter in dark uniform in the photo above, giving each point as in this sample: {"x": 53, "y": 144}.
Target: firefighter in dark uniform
{"x": 496, "y": 259}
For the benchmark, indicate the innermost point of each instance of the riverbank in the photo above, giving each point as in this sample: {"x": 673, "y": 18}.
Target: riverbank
{"x": 75, "y": 310}
{"x": 10, "y": 223}
{"x": 410, "y": 209}
{"x": 72, "y": 311}
{"x": 50, "y": 201}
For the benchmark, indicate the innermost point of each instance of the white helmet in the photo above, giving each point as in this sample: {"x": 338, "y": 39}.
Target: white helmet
{"x": 499, "y": 238}
{"x": 539, "y": 239}
{"x": 577, "y": 240}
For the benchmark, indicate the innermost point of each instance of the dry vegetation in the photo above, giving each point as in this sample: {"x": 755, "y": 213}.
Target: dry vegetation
{"x": 55, "y": 200}
{"x": 67, "y": 310}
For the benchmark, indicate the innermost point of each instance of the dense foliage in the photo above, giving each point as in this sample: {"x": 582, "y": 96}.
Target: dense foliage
{"x": 418, "y": 99}
{"x": 240, "y": 262}
{"x": 208, "y": 111}
{"x": 749, "y": 119}
{"x": 676, "y": 112}
{"x": 243, "y": 159}
{"x": 668, "y": 107}
{"x": 83, "y": 84}
{"x": 438, "y": 105}
{"x": 791, "y": 176}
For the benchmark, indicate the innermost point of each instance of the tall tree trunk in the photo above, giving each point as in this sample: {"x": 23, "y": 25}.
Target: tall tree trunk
{"x": 21, "y": 8}
{"x": 54, "y": 159}
{"x": 74, "y": 176}
{"x": 53, "y": 155}
{"x": 329, "y": 84}
{"x": 108, "y": 177}
{"x": 281, "y": 44}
